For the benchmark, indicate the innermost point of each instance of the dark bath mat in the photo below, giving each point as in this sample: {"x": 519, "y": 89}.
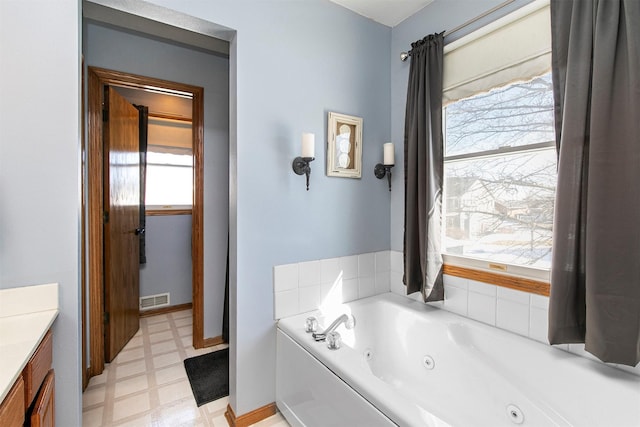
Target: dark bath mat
{"x": 209, "y": 376}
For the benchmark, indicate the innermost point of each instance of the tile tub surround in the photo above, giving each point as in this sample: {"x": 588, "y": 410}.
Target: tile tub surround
{"x": 304, "y": 286}
{"x": 520, "y": 312}
{"x": 26, "y": 314}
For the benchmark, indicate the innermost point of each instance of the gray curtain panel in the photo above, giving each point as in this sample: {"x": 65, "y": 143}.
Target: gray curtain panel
{"x": 595, "y": 278}
{"x": 423, "y": 166}
{"x": 144, "y": 136}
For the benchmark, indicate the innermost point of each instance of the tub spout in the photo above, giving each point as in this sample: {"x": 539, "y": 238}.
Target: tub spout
{"x": 349, "y": 323}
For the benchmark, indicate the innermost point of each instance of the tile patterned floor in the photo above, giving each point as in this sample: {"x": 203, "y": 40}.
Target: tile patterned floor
{"x": 146, "y": 384}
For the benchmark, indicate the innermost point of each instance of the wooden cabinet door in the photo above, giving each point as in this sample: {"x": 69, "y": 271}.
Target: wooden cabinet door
{"x": 43, "y": 414}
{"x": 37, "y": 369}
{"x": 12, "y": 407}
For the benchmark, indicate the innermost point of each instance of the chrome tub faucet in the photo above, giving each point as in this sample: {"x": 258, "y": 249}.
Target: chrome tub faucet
{"x": 349, "y": 323}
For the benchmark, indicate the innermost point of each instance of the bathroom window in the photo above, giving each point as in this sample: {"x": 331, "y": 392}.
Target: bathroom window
{"x": 169, "y": 180}
{"x": 169, "y": 185}
{"x": 500, "y": 175}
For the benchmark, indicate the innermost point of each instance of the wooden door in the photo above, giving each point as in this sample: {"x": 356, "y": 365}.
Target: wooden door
{"x": 121, "y": 223}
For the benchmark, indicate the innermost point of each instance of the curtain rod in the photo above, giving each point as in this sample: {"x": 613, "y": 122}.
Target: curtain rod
{"x": 405, "y": 55}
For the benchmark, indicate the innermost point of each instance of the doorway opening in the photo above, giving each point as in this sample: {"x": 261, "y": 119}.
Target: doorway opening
{"x": 98, "y": 79}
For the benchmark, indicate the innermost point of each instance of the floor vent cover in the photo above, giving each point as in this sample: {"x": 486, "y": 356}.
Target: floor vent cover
{"x": 154, "y": 301}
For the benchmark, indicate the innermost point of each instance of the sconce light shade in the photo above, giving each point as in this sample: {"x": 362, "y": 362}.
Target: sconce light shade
{"x": 308, "y": 145}
{"x": 389, "y": 157}
{"x": 384, "y": 168}
{"x": 301, "y": 164}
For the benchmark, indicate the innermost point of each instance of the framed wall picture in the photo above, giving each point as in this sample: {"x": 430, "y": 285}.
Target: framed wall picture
{"x": 344, "y": 146}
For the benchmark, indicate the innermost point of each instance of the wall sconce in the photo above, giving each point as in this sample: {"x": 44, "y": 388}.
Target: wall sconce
{"x": 301, "y": 164}
{"x": 384, "y": 168}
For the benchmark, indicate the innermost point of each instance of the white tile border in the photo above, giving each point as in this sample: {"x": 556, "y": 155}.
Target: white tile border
{"x": 349, "y": 266}
{"x": 367, "y": 265}
{"x": 482, "y": 307}
{"x": 308, "y": 273}
{"x": 520, "y": 312}
{"x": 362, "y": 275}
{"x": 285, "y": 277}
{"x": 301, "y": 287}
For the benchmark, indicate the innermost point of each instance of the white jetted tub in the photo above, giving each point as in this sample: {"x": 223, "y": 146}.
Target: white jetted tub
{"x": 409, "y": 364}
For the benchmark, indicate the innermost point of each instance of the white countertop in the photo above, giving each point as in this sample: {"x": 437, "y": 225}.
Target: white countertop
{"x": 26, "y": 314}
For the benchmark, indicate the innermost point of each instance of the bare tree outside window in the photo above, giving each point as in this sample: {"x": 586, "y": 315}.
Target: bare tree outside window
{"x": 500, "y": 174}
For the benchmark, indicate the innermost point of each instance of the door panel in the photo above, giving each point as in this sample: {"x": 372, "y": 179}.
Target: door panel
{"x": 44, "y": 411}
{"x": 122, "y": 221}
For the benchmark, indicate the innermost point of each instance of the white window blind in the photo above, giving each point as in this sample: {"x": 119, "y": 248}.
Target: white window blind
{"x": 169, "y": 136}
{"x": 169, "y": 163}
{"x": 514, "y": 48}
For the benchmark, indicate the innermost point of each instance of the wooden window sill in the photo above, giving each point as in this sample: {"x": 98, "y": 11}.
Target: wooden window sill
{"x": 507, "y": 281}
{"x": 165, "y": 212}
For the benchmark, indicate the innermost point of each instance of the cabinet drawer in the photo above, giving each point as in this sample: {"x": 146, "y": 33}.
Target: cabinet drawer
{"x": 37, "y": 368}
{"x": 12, "y": 407}
{"x": 43, "y": 414}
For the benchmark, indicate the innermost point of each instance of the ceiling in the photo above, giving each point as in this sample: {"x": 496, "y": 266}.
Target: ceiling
{"x": 158, "y": 103}
{"x": 387, "y": 12}
{"x": 150, "y": 20}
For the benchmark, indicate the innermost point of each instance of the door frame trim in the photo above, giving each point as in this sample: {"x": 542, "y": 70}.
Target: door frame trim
{"x": 97, "y": 78}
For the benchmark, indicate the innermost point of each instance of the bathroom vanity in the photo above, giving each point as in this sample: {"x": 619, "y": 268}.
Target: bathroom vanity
{"x": 26, "y": 355}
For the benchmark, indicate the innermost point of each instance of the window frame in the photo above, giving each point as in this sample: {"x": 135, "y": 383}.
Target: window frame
{"x": 474, "y": 268}
{"x": 164, "y": 210}
{"x": 167, "y": 209}
{"x": 530, "y": 56}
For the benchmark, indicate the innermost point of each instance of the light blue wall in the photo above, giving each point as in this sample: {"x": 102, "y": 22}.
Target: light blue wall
{"x": 120, "y": 50}
{"x": 168, "y": 249}
{"x": 441, "y": 15}
{"x": 295, "y": 62}
{"x": 40, "y": 169}
{"x": 292, "y": 62}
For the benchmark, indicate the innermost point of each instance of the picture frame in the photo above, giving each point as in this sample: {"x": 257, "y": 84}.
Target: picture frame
{"x": 344, "y": 146}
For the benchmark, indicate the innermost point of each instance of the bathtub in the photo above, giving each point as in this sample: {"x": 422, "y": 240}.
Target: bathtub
{"x": 409, "y": 364}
